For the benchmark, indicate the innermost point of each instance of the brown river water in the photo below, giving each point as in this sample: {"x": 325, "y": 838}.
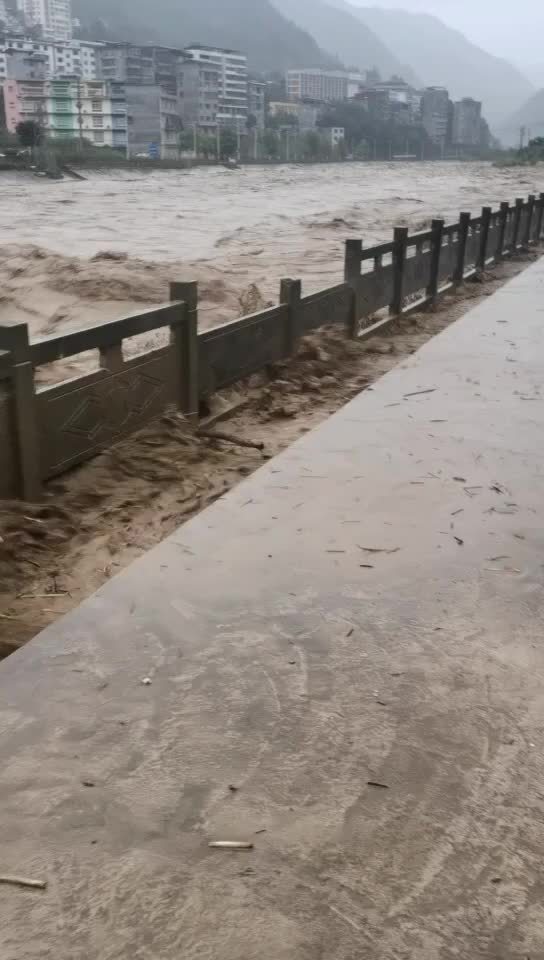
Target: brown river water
{"x": 73, "y": 253}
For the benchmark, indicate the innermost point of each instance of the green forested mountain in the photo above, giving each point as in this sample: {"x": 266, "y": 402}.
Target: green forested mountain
{"x": 271, "y": 40}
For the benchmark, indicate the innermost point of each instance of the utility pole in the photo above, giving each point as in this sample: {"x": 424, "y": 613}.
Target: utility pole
{"x": 195, "y": 141}
{"x": 218, "y": 145}
{"x": 521, "y": 138}
{"x": 79, "y": 105}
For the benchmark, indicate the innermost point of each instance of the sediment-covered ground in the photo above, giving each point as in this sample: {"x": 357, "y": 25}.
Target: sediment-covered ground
{"x": 75, "y": 253}
{"x": 97, "y": 519}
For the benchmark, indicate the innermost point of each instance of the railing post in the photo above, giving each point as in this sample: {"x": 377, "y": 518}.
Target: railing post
{"x": 539, "y": 218}
{"x": 526, "y": 239}
{"x": 459, "y": 272}
{"x": 290, "y": 294}
{"x": 352, "y": 274}
{"x": 484, "y": 237}
{"x": 111, "y": 358}
{"x": 503, "y": 219}
{"x": 400, "y": 243}
{"x": 15, "y": 339}
{"x": 437, "y": 227}
{"x": 517, "y": 223}
{"x": 185, "y": 336}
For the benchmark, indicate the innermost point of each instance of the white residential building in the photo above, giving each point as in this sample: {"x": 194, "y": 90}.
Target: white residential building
{"x": 76, "y": 58}
{"x": 321, "y": 86}
{"x": 53, "y": 16}
{"x": 337, "y": 135}
{"x": 233, "y": 82}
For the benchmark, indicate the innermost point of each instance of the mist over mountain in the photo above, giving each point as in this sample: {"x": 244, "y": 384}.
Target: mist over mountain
{"x": 271, "y": 40}
{"x": 344, "y": 34}
{"x": 442, "y": 56}
{"x": 530, "y": 115}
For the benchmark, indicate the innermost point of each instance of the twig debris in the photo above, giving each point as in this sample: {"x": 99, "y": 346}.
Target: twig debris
{"x": 230, "y": 438}
{"x": 24, "y": 882}
{"x": 231, "y": 844}
{"x": 378, "y": 549}
{"x": 417, "y": 393}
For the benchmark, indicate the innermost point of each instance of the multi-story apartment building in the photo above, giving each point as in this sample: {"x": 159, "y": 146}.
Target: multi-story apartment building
{"x": 356, "y": 82}
{"x": 154, "y": 122}
{"x": 92, "y": 111}
{"x": 402, "y": 104}
{"x": 436, "y": 114}
{"x": 321, "y": 86}
{"x": 256, "y": 104}
{"x": 132, "y": 63}
{"x": 199, "y": 85}
{"x": 467, "y": 123}
{"x": 305, "y": 113}
{"x": 10, "y": 17}
{"x": 53, "y": 17}
{"x": 233, "y": 82}
{"x": 75, "y": 58}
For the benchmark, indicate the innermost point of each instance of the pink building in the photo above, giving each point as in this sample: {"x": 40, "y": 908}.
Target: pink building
{"x": 23, "y": 100}
{"x": 24, "y": 87}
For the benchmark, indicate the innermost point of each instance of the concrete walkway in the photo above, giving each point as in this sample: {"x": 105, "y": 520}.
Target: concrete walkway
{"x": 347, "y": 668}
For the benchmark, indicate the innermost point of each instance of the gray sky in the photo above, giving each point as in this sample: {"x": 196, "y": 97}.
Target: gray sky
{"x": 510, "y": 28}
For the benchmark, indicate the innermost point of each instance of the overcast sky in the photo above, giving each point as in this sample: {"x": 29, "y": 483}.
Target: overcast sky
{"x": 509, "y": 28}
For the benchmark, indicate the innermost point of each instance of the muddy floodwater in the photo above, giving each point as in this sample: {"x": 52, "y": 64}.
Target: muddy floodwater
{"x": 72, "y": 253}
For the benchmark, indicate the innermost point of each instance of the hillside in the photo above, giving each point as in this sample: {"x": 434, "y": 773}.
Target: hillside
{"x": 345, "y": 35}
{"x": 443, "y": 56}
{"x": 530, "y": 116}
{"x": 271, "y": 40}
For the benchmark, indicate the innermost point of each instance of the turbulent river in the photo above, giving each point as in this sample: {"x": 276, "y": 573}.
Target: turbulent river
{"x": 72, "y": 253}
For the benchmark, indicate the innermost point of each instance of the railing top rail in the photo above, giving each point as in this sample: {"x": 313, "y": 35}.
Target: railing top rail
{"x": 318, "y": 295}
{"x": 105, "y": 335}
{"x": 370, "y": 253}
{"x": 422, "y": 237}
{"x": 232, "y": 325}
{"x": 451, "y": 229}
